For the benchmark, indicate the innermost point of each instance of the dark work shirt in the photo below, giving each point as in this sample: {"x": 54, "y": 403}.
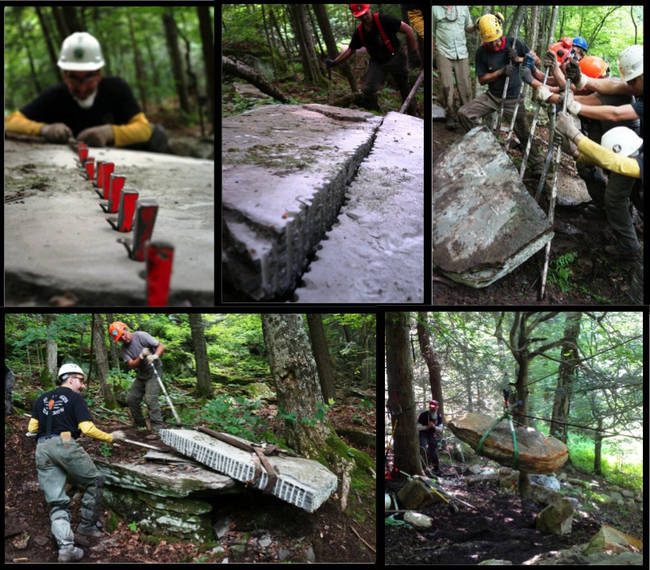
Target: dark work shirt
{"x": 425, "y": 417}
{"x": 68, "y": 411}
{"x": 638, "y": 109}
{"x": 374, "y": 42}
{"x": 488, "y": 61}
{"x": 114, "y": 104}
{"x": 140, "y": 340}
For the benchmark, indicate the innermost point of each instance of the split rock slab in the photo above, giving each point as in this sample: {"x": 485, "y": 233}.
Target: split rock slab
{"x": 485, "y": 223}
{"x": 57, "y": 239}
{"x": 374, "y": 252}
{"x": 301, "y": 482}
{"x": 284, "y": 178}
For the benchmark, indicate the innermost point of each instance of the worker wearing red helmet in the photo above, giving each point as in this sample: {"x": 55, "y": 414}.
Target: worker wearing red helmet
{"x": 429, "y": 426}
{"x": 378, "y": 34}
{"x": 141, "y": 352}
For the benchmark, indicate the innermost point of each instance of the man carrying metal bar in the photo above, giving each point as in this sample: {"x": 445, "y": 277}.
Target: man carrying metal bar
{"x": 498, "y": 58}
{"x": 59, "y": 417}
{"x": 99, "y": 111}
{"x": 141, "y": 352}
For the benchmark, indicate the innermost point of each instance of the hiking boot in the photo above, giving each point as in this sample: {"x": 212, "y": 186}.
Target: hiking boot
{"x": 624, "y": 253}
{"x": 70, "y": 554}
{"x": 89, "y": 530}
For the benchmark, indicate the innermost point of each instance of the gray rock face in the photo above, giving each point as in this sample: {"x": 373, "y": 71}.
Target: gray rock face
{"x": 57, "y": 239}
{"x": 485, "y": 224}
{"x": 374, "y": 252}
{"x": 301, "y": 482}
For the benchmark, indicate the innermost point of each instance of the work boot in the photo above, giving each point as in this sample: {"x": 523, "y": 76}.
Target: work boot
{"x": 70, "y": 554}
{"x": 90, "y": 529}
{"x": 624, "y": 253}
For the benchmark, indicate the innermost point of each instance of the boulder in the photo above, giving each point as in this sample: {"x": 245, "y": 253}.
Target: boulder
{"x": 556, "y": 518}
{"x": 485, "y": 223}
{"x": 416, "y": 494}
{"x": 537, "y": 453}
{"x": 418, "y": 519}
{"x": 609, "y": 538}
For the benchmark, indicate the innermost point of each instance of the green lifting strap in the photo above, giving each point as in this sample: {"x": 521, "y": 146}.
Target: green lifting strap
{"x": 515, "y": 459}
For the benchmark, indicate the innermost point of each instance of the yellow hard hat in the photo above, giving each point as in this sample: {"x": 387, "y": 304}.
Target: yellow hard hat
{"x": 490, "y": 27}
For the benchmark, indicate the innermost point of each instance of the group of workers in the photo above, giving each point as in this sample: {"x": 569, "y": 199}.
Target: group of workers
{"x": 610, "y": 110}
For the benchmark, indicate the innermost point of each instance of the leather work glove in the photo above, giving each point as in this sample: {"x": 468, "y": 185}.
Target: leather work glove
{"x": 56, "y": 132}
{"x": 550, "y": 60}
{"x": 513, "y": 55}
{"x": 574, "y": 73}
{"x": 145, "y": 352}
{"x": 329, "y": 63}
{"x": 541, "y": 93}
{"x": 571, "y": 105}
{"x": 565, "y": 125}
{"x": 97, "y": 136}
{"x": 152, "y": 357}
{"x": 509, "y": 69}
{"x": 117, "y": 435}
{"x": 527, "y": 75}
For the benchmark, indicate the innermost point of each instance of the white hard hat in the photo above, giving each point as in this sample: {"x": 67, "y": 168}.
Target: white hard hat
{"x": 68, "y": 369}
{"x": 81, "y": 52}
{"x": 630, "y": 62}
{"x": 622, "y": 141}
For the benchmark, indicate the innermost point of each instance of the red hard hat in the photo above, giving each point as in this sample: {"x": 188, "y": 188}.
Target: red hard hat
{"x": 434, "y": 402}
{"x": 359, "y": 9}
{"x": 562, "y": 49}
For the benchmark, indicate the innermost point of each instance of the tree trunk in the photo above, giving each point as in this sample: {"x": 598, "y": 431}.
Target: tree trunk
{"x": 426, "y": 349}
{"x": 115, "y": 353}
{"x": 48, "y": 42}
{"x": 51, "y": 349}
{"x": 101, "y": 358}
{"x": 310, "y": 64}
{"x": 570, "y": 359}
{"x": 598, "y": 445}
{"x": 203, "y": 384}
{"x": 240, "y": 69}
{"x": 399, "y": 372}
{"x": 171, "y": 35}
{"x": 207, "y": 43}
{"x": 300, "y": 400}
{"x": 140, "y": 70}
{"x": 321, "y": 355}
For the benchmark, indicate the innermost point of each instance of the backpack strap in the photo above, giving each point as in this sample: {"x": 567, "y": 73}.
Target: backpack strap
{"x": 382, "y": 33}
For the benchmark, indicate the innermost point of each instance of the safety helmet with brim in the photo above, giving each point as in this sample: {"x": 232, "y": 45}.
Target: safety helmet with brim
{"x": 359, "y": 10}
{"x": 622, "y": 141}
{"x": 116, "y": 330}
{"x": 630, "y": 62}
{"x": 80, "y": 52}
{"x": 68, "y": 370}
{"x": 490, "y": 27}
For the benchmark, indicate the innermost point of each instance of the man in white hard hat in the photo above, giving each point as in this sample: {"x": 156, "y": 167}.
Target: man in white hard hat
{"x": 99, "y": 111}
{"x": 59, "y": 417}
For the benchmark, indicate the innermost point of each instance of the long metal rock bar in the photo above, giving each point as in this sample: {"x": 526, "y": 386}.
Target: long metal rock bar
{"x": 301, "y": 482}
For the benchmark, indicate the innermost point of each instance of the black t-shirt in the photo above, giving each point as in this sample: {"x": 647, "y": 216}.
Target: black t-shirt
{"x": 425, "y": 417}
{"x": 638, "y": 109}
{"x": 114, "y": 104}
{"x": 68, "y": 411}
{"x": 374, "y": 42}
{"x": 487, "y": 61}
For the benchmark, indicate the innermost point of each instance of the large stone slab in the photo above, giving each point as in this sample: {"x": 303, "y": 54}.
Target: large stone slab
{"x": 485, "y": 224}
{"x": 285, "y": 174}
{"x": 374, "y": 253}
{"x": 56, "y": 238}
{"x": 538, "y": 453}
{"x": 301, "y": 482}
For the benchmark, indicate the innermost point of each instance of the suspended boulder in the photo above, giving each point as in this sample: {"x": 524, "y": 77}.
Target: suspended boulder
{"x": 538, "y": 453}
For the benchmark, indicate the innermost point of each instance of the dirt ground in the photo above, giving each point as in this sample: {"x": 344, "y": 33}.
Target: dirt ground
{"x": 289, "y": 534}
{"x": 580, "y": 272}
{"x": 501, "y": 527}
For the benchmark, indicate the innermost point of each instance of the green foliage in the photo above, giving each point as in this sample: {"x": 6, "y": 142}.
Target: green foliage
{"x": 133, "y": 527}
{"x": 105, "y": 450}
{"x": 236, "y": 416}
{"x": 560, "y": 271}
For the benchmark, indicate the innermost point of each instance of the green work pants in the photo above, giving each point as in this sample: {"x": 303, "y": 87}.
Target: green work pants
{"x": 57, "y": 461}
{"x": 617, "y": 206}
{"x": 146, "y": 387}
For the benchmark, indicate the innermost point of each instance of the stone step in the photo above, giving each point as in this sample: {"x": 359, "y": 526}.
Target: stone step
{"x": 285, "y": 174}
{"x": 485, "y": 223}
{"x": 374, "y": 253}
{"x": 301, "y": 482}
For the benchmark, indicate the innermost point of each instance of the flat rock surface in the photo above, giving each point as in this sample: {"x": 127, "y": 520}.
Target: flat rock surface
{"x": 285, "y": 170}
{"x": 57, "y": 239}
{"x": 537, "y": 453}
{"x": 374, "y": 253}
{"x": 485, "y": 224}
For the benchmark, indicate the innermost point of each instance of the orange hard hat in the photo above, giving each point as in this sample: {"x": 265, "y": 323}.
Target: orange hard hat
{"x": 359, "y": 9}
{"x": 593, "y": 66}
{"x": 116, "y": 330}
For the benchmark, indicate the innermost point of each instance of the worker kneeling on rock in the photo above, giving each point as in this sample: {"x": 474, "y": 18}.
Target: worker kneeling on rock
{"x": 59, "y": 417}
{"x": 96, "y": 110}
{"x": 378, "y": 34}
{"x": 141, "y": 352}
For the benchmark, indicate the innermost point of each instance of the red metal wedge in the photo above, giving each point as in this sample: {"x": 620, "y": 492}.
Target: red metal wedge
{"x": 160, "y": 258}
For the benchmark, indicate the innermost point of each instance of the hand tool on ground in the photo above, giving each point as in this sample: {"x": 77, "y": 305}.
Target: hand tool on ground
{"x": 169, "y": 400}
{"x": 551, "y": 206}
{"x": 414, "y": 89}
{"x": 141, "y": 444}
{"x": 522, "y": 169}
{"x": 505, "y": 89}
